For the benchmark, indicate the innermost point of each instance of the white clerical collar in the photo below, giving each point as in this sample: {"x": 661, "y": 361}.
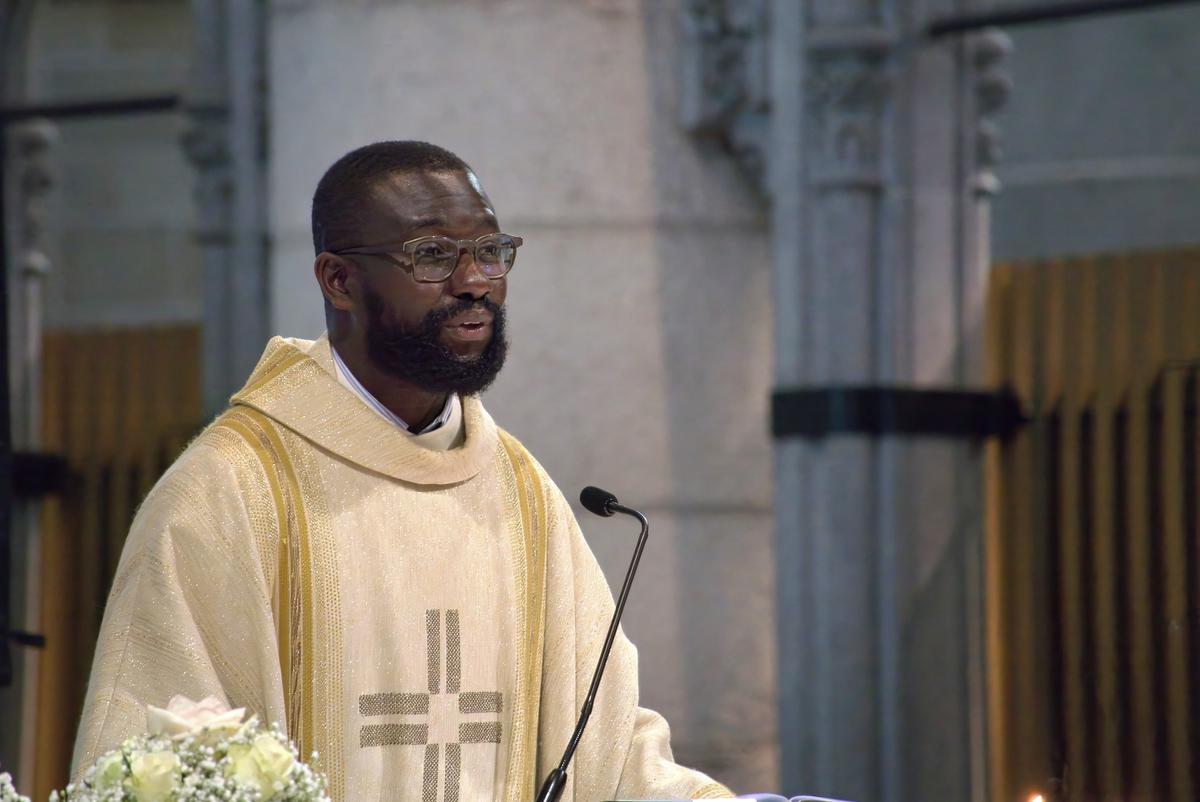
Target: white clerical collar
{"x": 350, "y": 382}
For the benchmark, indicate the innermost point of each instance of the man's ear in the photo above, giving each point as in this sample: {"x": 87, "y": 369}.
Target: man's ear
{"x": 333, "y": 276}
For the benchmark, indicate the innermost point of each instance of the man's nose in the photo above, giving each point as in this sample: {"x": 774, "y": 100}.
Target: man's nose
{"x": 468, "y": 277}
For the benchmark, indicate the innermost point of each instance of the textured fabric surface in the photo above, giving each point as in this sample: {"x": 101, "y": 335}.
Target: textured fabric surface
{"x": 427, "y": 619}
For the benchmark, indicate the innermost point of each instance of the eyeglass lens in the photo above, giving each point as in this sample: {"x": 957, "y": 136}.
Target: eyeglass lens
{"x": 436, "y": 257}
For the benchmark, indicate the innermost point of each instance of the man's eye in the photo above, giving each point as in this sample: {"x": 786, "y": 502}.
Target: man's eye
{"x": 489, "y": 253}
{"x": 431, "y": 252}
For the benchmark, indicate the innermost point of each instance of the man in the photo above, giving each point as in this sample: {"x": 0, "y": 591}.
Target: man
{"x": 356, "y": 550}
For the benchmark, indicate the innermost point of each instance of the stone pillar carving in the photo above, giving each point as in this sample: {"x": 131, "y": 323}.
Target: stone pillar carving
{"x": 224, "y": 141}
{"x": 724, "y": 91}
{"x": 33, "y": 143}
{"x": 992, "y": 84}
{"x": 880, "y": 157}
{"x": 984, "y": 94}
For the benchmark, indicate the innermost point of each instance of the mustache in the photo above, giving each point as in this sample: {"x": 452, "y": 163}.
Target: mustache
{"x": 439, "y": 317}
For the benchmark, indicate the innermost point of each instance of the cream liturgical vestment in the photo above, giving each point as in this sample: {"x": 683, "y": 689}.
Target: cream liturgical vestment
{"x": 422, "y": 611}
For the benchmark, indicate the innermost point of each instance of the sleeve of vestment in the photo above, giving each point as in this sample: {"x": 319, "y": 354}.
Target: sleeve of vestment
{"x": 625, "y": 753}
{"x": 190, "y": 607}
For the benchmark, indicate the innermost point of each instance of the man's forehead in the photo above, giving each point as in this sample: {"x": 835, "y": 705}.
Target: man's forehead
{"x": 417, "y": 196}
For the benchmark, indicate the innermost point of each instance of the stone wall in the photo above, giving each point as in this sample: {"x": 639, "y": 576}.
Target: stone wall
{"x": 1104, "y": 155}
{"x": 121, "y": 227}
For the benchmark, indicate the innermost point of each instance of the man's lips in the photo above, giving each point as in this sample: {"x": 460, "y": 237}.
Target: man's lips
{"x": 470, "y": 318}
{"x": 470, "y": 326}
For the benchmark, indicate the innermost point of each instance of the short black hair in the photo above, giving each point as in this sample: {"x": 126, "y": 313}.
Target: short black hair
{"x": 342, "y": 194}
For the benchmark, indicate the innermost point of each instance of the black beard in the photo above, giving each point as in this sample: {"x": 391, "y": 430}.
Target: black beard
{"x": 414, "y": 355}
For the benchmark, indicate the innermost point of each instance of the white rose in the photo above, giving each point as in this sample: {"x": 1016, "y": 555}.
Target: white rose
{"x": 266, "y": 764}
{"x": 184, "y": 718}
{"x": 109, "y": 771}
{"x": 154, "y": 775}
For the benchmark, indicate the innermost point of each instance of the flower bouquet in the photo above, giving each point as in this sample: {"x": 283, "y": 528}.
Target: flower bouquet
{"x": 199, "y": 752}
{"x": 7, "y": 792}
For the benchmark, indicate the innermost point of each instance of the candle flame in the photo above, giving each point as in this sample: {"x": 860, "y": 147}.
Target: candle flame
{"x": 1037, "y": 798}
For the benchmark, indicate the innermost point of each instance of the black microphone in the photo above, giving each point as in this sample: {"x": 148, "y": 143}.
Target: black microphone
{"x": 602, "y": 503}
{"x": 597, "y": 501}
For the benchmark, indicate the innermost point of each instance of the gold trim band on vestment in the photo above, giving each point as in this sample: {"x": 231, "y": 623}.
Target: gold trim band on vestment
{"x": 530, "y": 557}
{"x": 293, "y": 600}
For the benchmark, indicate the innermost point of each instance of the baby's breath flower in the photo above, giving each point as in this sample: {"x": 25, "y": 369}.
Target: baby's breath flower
{"x": 7, "y": 792}
{"x": 252, "y": 763}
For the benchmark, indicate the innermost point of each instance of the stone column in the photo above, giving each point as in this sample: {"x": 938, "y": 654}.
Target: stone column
{"x": 880, "y": 252}
{"x": 15, "y": 754}
{"x": 224, "y": 141}
{"x": 33, "y": 142}
{"x": 30, "y": 149}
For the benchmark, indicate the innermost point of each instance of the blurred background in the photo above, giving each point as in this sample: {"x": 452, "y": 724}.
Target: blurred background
{"x": 887, "y": 312}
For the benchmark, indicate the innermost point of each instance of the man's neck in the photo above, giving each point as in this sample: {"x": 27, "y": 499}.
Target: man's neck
{"x": 416, "y": 407}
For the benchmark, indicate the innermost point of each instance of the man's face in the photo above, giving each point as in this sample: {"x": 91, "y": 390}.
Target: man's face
{"x": 443, "y": 337}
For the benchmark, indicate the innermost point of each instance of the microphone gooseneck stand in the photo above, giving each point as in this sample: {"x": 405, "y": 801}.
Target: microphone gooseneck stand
{"x": 604, "y": 504}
